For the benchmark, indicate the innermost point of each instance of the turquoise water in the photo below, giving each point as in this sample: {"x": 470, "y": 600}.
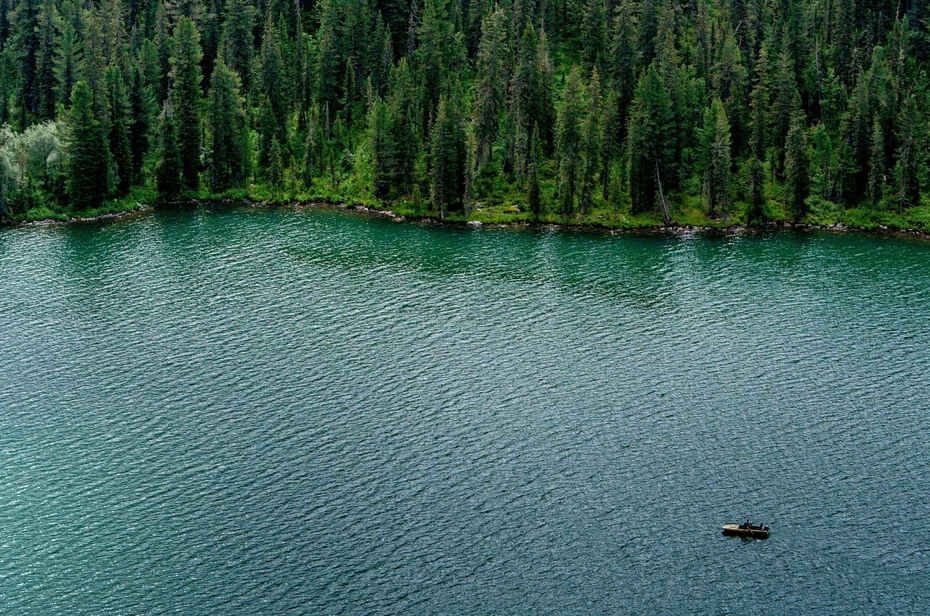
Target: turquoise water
{"x": 306, "y": 411}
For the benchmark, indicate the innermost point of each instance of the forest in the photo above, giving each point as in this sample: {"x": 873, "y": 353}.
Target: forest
{"x": 612, "y": 112}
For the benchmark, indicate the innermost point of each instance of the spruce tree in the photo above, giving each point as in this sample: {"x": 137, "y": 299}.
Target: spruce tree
{"x": 533, "y": 199}
{"x": 168, "y": 168}
{"x": 185, "y": 98}
{"x": 716, "y": 157}
{"x": 569, "y": 141}
{"x": 906, "y": 169}
{"x": 382, "y": 148}
{"x": 591, "y": 144}
{"x": 796, "y": 170}
{"x": 491, "y": 69}
{"x": 236, "y": 40}
{"x": 876, "y": 164}
{"x": 756, "y": 190}
{"x": 141, "y": 112}
{"x": 447, "y": 160}
{"x": 652, "y": 140}
{"x": 118, "y": 131}
{"x": 228, "y": 138}
{"x": 67, "y": 61}
{"x": 45, "y": 62}
{"x": 89, "y": 156}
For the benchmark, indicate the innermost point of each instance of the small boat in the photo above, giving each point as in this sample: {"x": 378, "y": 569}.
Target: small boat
{"x": 747, "y": 530}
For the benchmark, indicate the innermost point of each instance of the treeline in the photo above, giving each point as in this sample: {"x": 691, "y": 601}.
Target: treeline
{"x": 746, "y": 109}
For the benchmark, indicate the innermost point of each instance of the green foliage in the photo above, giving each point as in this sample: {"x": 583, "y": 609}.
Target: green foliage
{"x": 89, "y": 155}
{"x": 614, "y": 113}
{"x": 228, "y": 142}
{"x": 185, "y": 98}
{"x": 168, "y": 168}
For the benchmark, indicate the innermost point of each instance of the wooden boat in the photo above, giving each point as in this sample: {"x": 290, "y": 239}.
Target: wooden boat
{"x": 749, "y": 531}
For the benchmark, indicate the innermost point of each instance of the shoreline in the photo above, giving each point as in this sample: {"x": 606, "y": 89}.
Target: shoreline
{"x": 388, "y": 214}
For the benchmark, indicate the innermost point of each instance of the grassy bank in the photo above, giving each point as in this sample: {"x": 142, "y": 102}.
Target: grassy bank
{"x": 510, "y": 210}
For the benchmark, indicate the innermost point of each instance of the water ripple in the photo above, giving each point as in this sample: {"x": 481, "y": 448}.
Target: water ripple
{"x": 231, "y": 411}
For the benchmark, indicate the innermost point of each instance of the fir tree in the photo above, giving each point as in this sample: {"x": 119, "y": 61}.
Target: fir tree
{"x": 185, "y": 94}
{"x": 534, "y": 202}
{"x": 228, "y": 137}
{"x": 796, "y": 170}
{"x": 141, "y": 105}
{"x": 236, "y": 39}
{"x": 876, "y": 164}
{"x": 652, "y": 140}
{"x": 89, "y": 156}
{"x": 715, "y": 145}
{"x": 168, "y": 168}
{"x": 447, "y": 161}
{"x": 569, "y": 141}
{"x": 490, "y": 83}
{"x": 66, "y": 62}
{"x": 382, "y": 148}
{"x": 118, "y": 131}
{"x": 45, "y": 61}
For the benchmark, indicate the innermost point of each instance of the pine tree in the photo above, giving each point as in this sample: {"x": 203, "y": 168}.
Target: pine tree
{"x": 447, "y": 160}
{"x": 569, "y": 141}
{"x": 535, "y": 160}
{"x": 756, "y": 189}
{"x": 89, "y": 156}
{"x": 118, "y": 131}
{"x": 715, "y": 145}
{"x": 236, "y": 39}
{"x": 594, "y": 40}
{"x": 906, "y": 169}
{"x": 185, "y": 94}
{"x": 141, "y": 106}
{"x": 591, "y": 144}
{"x": 796, "y": 170}
{"x": 24, "y": 45}
{"x": 168, "y": 168}
{"x": 491, "y": 70}
{"x": 66, "y": 62}
{"x": 876, "y": 164}
{"x": 382, "y": 148}
{"x": 45, "y": 61}
{"x": 228, "y": 137}
{"x": 652, "y": 140}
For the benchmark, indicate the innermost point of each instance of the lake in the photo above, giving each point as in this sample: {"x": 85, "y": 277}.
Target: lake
{"x": 303, "y": 410}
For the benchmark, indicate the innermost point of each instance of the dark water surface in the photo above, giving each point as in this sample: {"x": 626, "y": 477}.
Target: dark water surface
{"x": 238, "y": 411}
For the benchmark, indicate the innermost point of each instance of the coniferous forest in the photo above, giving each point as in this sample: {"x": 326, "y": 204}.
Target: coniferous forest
{"x": 616, "y": 112}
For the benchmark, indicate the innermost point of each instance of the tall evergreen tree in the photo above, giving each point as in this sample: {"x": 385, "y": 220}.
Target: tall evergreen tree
{"x": 89, "y": 155}
{"x": 533, "y": 198}
{"x": 715, "y": 145}
{"x": 652, "y": 140}
{"x": 237, "y": 39}
{"x": 796, "y": 170}
{"x": 185, "y": 94}
{"x": 228, "y": 136}
{"x": 490, "y": 84}
{"x": 382, "y": 148}
{"x": 447, "y": 157}
{"x": 141, "y": 112}
{"x": 569, "y": 141}
{"x": 168, "y": 168}
{"x": 118, "y": 131}
{"x": 45, "y": 61}
{"x": 66, "y": 61}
